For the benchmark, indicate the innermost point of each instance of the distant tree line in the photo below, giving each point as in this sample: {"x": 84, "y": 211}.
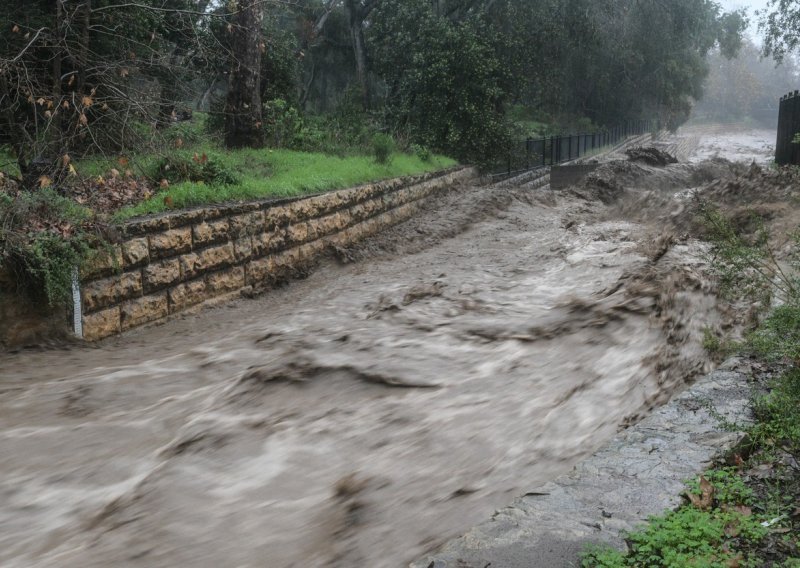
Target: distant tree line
{"x": 747, "y": 87}
{"x": 86, "y": 76}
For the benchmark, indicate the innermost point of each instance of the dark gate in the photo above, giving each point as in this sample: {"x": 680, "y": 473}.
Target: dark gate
{"x": 786, "y": 151}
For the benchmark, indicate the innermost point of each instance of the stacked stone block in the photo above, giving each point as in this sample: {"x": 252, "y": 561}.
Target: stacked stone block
{"x": 174, "y": 262}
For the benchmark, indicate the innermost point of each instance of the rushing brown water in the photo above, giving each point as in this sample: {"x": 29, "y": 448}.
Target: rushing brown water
{"x": 360, "y": 417}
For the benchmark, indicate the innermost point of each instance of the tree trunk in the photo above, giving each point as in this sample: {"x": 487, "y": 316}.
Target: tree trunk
{"x": 355, "y": 19}
{"x": 243, "y": 122}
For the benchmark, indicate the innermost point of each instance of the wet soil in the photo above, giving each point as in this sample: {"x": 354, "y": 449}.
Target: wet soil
{"x": 367, "y": 414}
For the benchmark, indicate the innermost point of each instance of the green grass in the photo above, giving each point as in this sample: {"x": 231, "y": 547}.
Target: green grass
{"x": 687, "y": 537}
{"x": 276, "y": 173}
{"x": 8, "y": 164}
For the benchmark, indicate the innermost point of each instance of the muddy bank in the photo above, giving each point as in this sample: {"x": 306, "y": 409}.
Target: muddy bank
{"x": 367, "y": 414}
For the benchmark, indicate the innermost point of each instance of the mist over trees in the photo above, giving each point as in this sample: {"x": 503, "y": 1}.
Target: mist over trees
{"x": 747, "y": 87}
{"x": 100, "y": 76}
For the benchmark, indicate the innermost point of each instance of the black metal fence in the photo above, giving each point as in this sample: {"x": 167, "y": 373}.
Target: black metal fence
{"x": 541, "y": 152}
{"x": 786, "y": 151}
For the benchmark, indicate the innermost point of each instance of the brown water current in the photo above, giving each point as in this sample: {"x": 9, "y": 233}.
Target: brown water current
{"x": 365, "y": 415}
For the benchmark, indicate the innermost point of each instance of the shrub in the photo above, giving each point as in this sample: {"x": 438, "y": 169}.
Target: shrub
{"x": 382, "y": 148}
{"x": 283, "y": 123}
{"x": 421, "y": 152}
{"x": 42, "y": 240}
{"x": 178, "y": 167}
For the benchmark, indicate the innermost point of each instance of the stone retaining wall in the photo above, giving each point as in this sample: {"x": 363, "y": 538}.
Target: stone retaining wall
{"x": 174, "y": 262}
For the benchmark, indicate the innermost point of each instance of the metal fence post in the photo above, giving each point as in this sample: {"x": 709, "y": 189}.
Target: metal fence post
{"x": 794, "y": 128}
{"x": 781, "y": 141}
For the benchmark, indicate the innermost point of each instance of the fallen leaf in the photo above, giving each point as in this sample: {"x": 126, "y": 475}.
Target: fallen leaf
{"x": 706, "y": 497}
{"x": 65, "y": 160}
{"x": 45, "y": 181}
{"x": 168, "y": 201}
{"x": 735, "y": 562}
{"x": 179, "y": 142}
{"x": 72, "y": 171}
{"x": 114, "y": 173}
{"x": 122, "y": 161}
{"x": 83, "y": 120}
{"x": 164, "y": 184}
{"x": 87, "y": 101}
{"x": 15, "y": 29}
{"x": 732, "y": 530}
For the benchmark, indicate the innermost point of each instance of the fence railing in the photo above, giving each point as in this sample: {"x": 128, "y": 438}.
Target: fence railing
{"x": 548, "y": 151}
{"x": 786, "y": 151}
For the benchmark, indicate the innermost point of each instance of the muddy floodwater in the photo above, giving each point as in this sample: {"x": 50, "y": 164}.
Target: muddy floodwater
{"x": 367, "y": 414}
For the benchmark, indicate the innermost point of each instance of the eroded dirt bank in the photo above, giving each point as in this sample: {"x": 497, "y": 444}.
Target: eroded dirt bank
{"x": 365, "y": 415}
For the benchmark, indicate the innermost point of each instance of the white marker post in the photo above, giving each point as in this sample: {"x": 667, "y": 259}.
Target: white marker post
{"x": 77, "y": 316}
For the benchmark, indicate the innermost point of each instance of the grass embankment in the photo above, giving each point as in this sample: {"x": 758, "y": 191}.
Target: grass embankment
{"x": 278, "y": 173}
{"x": 746, "y": 511}
{"x": 46, "y": 232}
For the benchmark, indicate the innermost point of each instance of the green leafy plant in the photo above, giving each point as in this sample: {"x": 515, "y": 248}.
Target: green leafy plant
{"x": 728, "y": 487}
{"x": 422, "y": 152}
{"x": 43, "y": 240}
{"x": 283, "y": 123}
{"x": 716, "y": 345}
{"x": 383, "y": 147}
{"x": 688, "y": 537}
{"x": 183, "y": 166}
{"x": 746, "y": 265}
